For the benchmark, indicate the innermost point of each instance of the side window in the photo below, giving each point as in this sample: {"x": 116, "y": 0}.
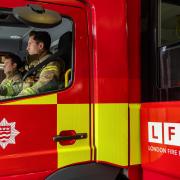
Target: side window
{"x": 169, "y": 22}
{"x": 169, "y": 50}
{"x": 35, "y": 57}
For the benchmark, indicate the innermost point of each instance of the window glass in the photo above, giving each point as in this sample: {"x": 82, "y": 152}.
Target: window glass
{"x": 19, "y": 41}
{"x": 170, "y": 63}
{"x": 169, "y": 22}
{"x": 169, "y": 51}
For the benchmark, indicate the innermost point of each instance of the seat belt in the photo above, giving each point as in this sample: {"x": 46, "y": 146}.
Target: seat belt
{"x": 51, "y": 58}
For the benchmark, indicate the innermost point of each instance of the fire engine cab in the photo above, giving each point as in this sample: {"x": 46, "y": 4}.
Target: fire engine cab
{"x": 116, "y": 112}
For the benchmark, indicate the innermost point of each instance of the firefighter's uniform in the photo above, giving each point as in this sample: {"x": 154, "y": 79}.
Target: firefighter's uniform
{"x": 45, "y": 79}
{"x": 11, "y": 85}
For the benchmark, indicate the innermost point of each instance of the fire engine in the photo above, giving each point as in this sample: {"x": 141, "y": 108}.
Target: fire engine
{"x": 116, "y": 115}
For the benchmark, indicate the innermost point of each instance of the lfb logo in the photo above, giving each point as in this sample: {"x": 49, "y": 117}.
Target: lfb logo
{"x": 164, "y": 133}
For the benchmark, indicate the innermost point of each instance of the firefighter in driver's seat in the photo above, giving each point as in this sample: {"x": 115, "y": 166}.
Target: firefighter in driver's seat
{"x": 46, "y": 78}
{"x": 12, "y": 84}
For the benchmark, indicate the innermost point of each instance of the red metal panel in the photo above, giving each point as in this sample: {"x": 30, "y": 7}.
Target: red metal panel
{"x": 133, "y": 16}
{"x": 74, "y": 3}
{"x": 135, "y": 172}
{"x": 31, "y": 176}
{"x": 34, "y": 149}
{"x": 110, "y": 58}
{"x": 149, "y": 175}
{"x": 158, "y": 153}
{"x": 11, "y": 3}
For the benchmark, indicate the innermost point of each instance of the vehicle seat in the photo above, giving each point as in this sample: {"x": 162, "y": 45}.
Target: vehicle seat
{"x": 65, "y": 49}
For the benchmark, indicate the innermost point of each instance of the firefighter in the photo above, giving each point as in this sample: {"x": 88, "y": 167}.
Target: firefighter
{"x": 47, "y": 77}
{"x": 12, "y": 84}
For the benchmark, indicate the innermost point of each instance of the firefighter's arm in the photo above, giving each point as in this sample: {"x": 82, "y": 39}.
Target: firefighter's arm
{"x": 48, "y": 80}
{"x": 10, "y": 88}
{"x": 3, "y": 89}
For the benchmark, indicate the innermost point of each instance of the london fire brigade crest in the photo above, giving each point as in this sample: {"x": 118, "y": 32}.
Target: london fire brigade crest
{"x": 7, "y": 133}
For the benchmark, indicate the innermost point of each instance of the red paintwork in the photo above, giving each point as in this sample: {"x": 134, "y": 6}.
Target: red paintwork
{"x": 149, "y": 175}
{"x": 34, "y": 145}
{"x": 110, "y": 51}
{"x": 133, "y": 16}
{"x": 135, "y": 172}
{"x": 11, "y": 4}
{"x": 73, "y": 3}
{"x": 30, "y": 176}
{"x": 155, "y": 164}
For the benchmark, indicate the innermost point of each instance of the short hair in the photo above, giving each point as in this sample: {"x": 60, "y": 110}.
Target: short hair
{"x": 15, "y": 59}
{"x": 42, "y": 36}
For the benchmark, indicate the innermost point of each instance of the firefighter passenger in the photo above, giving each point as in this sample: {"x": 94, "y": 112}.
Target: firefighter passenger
{"x": 47, "y": 77}
{"x": 12, "y": 84}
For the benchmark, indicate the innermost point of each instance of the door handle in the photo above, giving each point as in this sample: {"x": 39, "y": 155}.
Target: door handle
{"x": 70, "y": 137}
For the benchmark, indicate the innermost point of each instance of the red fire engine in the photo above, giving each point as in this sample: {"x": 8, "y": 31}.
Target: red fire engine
{"x": 116, "y": 113}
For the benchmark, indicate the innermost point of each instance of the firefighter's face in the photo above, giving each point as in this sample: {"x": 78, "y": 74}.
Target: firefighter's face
{"x": 9, "y": 66}
{"x": 34, "y": 47}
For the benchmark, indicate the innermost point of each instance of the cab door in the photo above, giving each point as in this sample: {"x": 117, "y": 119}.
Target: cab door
{"x": 35, "y": 129}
